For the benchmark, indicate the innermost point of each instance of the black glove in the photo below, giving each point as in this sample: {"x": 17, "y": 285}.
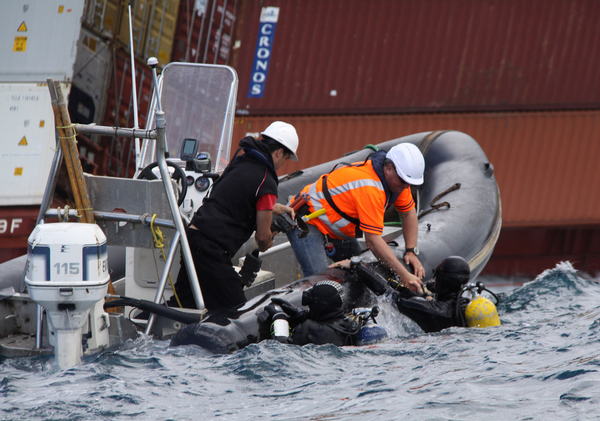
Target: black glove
{"x": 296, "y": 315}
{"x": 250, "y": 268}
{"x": 273, "y": 309}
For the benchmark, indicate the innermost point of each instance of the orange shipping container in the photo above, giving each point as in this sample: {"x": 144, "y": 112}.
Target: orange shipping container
{"x": 544, "y": 161}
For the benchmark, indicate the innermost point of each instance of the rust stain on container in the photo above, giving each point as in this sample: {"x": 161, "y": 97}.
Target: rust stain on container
{"x": 545, "y": 162}
{"x": 340, "y": 56}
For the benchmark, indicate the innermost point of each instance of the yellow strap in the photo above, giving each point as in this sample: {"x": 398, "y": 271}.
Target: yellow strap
{"x": 69, "y": 137}
{"x": 160, "y": 244}
{"x": 158, "y": 235}
{"x": 72, "y": 126}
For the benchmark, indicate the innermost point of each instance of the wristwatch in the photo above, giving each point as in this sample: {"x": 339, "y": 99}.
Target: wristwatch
{"x": 414, "y": 250}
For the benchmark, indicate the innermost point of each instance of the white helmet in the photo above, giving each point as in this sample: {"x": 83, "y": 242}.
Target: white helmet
{"x": 409, "y": 162}
{"x": 285, "y": 134}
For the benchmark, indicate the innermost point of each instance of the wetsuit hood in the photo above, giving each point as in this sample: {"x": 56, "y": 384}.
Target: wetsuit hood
{"x": 324, "y": 301}
{"x": 450, "y": 276}
{"x": 259, "y": 151}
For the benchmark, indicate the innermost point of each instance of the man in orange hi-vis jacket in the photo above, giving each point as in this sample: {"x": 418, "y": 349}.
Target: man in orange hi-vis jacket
{"x": 355, "y": 198}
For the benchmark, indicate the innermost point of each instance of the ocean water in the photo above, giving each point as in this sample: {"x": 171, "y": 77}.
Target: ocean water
{"x": 542, "y": 364}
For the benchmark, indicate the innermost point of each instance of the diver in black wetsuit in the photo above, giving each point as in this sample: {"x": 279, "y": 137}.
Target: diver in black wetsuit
{"x": 324, "y": 322}
{"x": 433, "y": 315}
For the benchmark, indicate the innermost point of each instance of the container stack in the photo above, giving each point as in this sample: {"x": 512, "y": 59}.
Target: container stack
{"x": 197, "y": 31}
{"x": 38, "y": 41}
{"x": 517, "y": 76}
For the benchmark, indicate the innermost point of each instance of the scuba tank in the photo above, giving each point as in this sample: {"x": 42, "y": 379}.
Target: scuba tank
{"x": 479, "y": 312}
{"x": 280, "y": 326}
{"x": 370, "y": 333}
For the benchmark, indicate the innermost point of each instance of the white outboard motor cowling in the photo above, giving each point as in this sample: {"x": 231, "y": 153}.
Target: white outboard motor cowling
{"x": 67, "y": 273}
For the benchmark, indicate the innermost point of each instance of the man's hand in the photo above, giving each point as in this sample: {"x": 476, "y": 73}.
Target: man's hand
{"x": 344, "y": 264}
{"x": 278, "y": 208}
{"x": 413, "y": 283}
{"x": 385, "y": 255}
{"x": 412, "y": 259}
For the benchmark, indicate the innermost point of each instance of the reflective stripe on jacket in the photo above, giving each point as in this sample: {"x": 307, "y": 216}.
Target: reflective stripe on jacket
{"x": 358, "y": 192}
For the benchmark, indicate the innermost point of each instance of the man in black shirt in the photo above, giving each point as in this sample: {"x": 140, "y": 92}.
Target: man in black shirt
{"x": 242, "y": 201}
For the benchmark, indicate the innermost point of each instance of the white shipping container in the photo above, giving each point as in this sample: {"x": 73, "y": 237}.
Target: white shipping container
{"x": 28, "y": 141}
{"x": 92, "y": 69}
{"x": 39, "y": 39}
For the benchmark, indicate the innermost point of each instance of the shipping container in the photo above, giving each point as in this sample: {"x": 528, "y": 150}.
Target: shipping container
{"x": 39, "y": 39}
{"x": 28, "y": 146}
{"x": 92, "y": 69}
{"x": 161, "y": 33}
{"x": 389, "y": 56}
{"x": 118, "y": 156}
{"x": 16, "y": 224}
{"x": 138, "y": 19}
{"x": 528, "y": 251}
{"x": 199, "y": 29}
{"x": 102, "y": 16}
{"x": 153, "y": 24}
{"x": 545, "y": 162}
{"x": 28, "y": 141}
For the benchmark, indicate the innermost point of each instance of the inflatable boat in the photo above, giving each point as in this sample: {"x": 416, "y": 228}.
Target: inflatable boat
{"x": 55, "y": 296}
{"x": 459, "y": 212}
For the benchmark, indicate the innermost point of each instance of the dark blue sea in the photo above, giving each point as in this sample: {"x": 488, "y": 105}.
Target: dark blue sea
{"x": 543, "y": 363}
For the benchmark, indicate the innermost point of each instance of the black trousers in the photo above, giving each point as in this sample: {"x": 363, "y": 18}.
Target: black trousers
{"x": 220, "y": 283}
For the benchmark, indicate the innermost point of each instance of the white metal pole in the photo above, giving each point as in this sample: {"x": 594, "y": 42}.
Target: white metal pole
{"x": 134, "y": 92}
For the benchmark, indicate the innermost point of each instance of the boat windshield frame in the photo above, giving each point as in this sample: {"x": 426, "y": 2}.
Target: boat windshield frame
{"x": 199, "y": 103}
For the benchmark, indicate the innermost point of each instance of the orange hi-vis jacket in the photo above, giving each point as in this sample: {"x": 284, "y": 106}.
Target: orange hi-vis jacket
{"x": 359, "y": 193}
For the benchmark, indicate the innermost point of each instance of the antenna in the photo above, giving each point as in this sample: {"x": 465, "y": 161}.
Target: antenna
{"x": 134, "y": 91}
{"x": 155, "y": 102}
{"x": 153, "y": 62}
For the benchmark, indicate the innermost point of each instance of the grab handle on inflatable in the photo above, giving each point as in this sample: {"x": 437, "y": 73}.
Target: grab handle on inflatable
{"x": 487, "y": 168}
{"x": 435, "y": 206}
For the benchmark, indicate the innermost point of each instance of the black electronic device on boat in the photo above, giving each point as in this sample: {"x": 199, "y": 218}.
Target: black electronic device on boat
{"x": 189, "y": 148}
{"x": 202, "y": 162}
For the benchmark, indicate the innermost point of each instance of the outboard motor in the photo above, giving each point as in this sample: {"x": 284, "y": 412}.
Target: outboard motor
{"x": 67, "y": 274}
